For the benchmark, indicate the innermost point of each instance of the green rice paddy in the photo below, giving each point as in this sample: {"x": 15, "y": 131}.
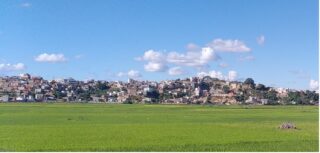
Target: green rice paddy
{"x": 112, "y": 127}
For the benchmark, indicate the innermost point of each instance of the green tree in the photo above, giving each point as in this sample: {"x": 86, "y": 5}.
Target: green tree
{"x": 58, "y": 94}
{"x": 204, "y": 85}
{"x": 85, "y": 95}
{"x": 102, "y": 85}
{"x": 249, "y": 81}
{"x": 312, "y": 96}
{"x": 226, "y": 89}
{"x": 153, "y": 94}
{"x": 240, "y": 98}
{"x": 294, "y": 97}
{"x": 272, "y": 95}
{"x": 261, "y": 87}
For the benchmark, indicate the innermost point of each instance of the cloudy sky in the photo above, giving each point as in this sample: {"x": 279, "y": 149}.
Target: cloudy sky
{"x": 274, "y": 42}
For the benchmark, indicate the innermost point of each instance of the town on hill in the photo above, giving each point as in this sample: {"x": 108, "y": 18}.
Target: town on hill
{"x": 193, "y": 90}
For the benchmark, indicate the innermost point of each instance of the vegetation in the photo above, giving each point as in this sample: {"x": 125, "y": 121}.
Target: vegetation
{"x": 249, "y": 81}
{"x": 226, "y": 89}
{"x": 101, "y": 127}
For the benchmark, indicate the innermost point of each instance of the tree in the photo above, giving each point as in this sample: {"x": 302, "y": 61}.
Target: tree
{"x": 294, "y": 97}
{"x": 239, "y": 98}
{"x": 153, "y": 94}
{"x": 59, "y": 94}
{"x": 85, "y": 96}
{"x": 102, "y": 85}
{"x": 312, "y": 96}
{"x": 272, "y": 96}
{"x": 129, "y": 100}
{"x": 204, "y": 85}
{"x": 261, "y": 87}
{"x": 226, "y": 89}
{"x": 249, "y": 81}
{"x": 180, "y": 95}
{"x": 165, "y": 96}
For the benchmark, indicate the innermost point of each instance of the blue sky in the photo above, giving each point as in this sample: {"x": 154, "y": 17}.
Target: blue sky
{"x": 274, "y": 42}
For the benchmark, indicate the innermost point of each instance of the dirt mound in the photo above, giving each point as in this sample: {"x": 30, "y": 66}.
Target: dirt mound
{"x": 287, "y": 125}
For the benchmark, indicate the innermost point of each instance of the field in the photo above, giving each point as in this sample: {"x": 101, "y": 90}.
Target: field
{"x": 107, "y": 127}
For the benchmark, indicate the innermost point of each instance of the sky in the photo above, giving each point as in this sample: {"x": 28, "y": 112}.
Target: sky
{"x": 275, "y": 42}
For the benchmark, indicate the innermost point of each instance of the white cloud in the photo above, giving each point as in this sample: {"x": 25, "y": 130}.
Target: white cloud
{"x": 53, "y": 58}
{"x": 26, "y": 5}
{"x": 155, "y": 67}
{"x": 121, "y": 74}
{"x": 193, "y": 58}
{"x": 228, "y": 45}
{"x": 213, "y": 74}
{"x": 156, "y": 61}
{"x": 134, "y": 74}
{"x": 247, "y": 58}
{"x": 314, "y": 84}
{"x": 130, "y": 74}
{"x": 12, "y": 67}
{"x": 232, "y": 75}
{"x": 261, "y": 40}
{"x": 153, "y": 56}
{"x": 175, "y": 71}
{"x": 202, "y": 74}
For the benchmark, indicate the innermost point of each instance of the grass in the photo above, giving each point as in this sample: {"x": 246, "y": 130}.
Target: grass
{"x": 101, "y": 127}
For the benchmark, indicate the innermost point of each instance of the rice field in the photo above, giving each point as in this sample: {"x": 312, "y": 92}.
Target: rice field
{"x": 120, "y": 127}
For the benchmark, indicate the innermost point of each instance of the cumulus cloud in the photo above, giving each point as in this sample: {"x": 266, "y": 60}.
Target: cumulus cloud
{"x": 52, "y": 58}
{"x": 213, "y": 74}
{"x": 314, "y": 84}
{"x": 155, "y": 67}
{"x": 175, "y": 71}
{"x": 157, "y": 61}
{"x": 134, "y": 74}
{"x": 261, "y": 40}
{"x": 122, "y": 74}
{"x": 153, "y": 56}
{"x": 228, "y": 45}
{"x": 12, "y": 67}
{"x": 232, "y": 75}
{"x": 193, "y": 58}
{"x": 131, "y": 74}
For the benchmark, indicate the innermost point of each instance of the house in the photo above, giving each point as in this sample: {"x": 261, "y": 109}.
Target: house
{"x": 251, "y": 100}
{"x": 20, "y": 99}
{"x": 112, "y": 99}
{"x": 30, "y": 98}
{"x": 197, "y": 92}
{"x": 4, "y": 98}
{"x": 39, "y": 97}
{"x": 264, "y": 101}
{"x": 146, "y": 99}
{"x": 234, "y": 85}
